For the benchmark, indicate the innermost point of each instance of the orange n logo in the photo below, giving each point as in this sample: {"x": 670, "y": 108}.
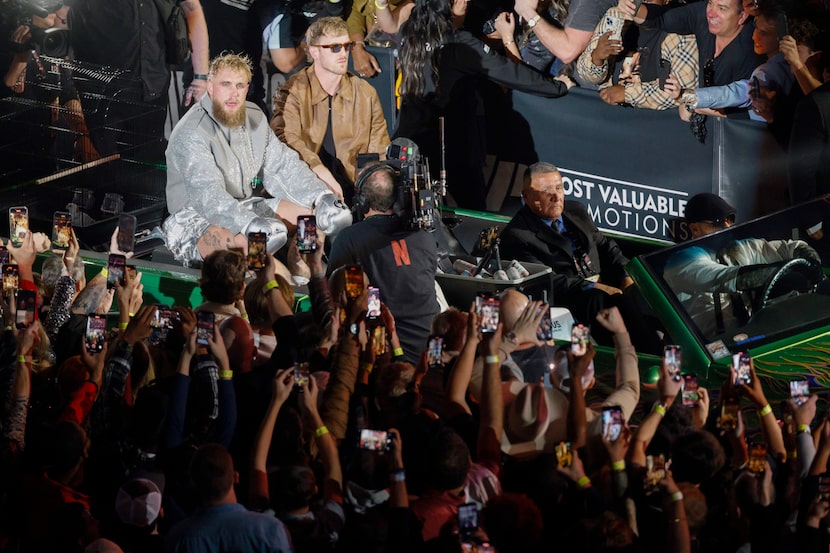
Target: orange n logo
{"x": 400, "y": 252}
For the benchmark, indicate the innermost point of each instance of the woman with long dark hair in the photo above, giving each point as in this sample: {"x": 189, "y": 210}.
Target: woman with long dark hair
{"x": 446, "y": 71}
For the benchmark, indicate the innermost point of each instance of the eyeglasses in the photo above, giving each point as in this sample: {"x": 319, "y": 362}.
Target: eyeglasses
{"x": 336, "y": 47}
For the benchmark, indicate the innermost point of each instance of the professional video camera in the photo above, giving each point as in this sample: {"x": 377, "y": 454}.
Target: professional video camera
{"x": 416, "y": 199}
{"x": 48, "y": 42}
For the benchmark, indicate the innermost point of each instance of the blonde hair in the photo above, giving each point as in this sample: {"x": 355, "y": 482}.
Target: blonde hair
{"x": 235, "y": 62}
{"x": 330, "y": 26}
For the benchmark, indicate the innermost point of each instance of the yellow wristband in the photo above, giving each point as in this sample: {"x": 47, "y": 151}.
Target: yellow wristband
{"x": 378, "y": 6}
{"x": 765, "y": 410}
{"x": 245, "y": 316}
{"x": 658, "y": 408}
{"x": 123, "y": 326}
{"x": 583, "y": 482}
{"x": 397, "y": 352}
{"x": 21, "y": 358}
{"x": 131, "y": 315}
{"x": 677, "y": 496}
{"x": 225, "y": 375}
{"x": 270, "y": 285}
{"x": 322, "y": 431}
{"x": 10, "y": 327}
{"x": 804, "y": 428}
{"x": 104, "y": 272}
{"x": 618, "y": 466}
{"x": 367, "y": 367}
{"x": 792, "y": 455}
{"x": 492, "y": 359}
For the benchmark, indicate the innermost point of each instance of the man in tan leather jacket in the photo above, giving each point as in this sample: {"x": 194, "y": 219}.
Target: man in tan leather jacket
{"x": 327, "y": 115}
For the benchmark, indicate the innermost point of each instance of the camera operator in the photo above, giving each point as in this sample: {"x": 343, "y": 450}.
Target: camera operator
{"x": 34, "y": 71}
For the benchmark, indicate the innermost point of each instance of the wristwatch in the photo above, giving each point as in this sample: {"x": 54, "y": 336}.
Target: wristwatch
{"x": 532, "y": 22}
{"x": 354, "y": 329}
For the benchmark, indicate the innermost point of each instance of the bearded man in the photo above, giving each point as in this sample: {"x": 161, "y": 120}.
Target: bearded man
{"x": 228, "y": 175}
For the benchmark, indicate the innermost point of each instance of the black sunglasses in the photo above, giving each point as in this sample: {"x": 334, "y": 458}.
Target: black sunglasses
{"x": 336, "y": 47}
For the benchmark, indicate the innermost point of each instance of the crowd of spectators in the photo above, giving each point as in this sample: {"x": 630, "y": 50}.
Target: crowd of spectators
{"x": 283, "y": 431}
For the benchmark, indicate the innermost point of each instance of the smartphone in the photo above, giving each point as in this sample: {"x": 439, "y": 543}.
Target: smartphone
{"x": 655, "y": 472}
{"x": 487, "y": 306}
{"x": 741, "y": 369}
{"x": 435, "y": 352}
{"x": 354, "y": 281}
{"x": 580, "y": 337}
{"x": 757, "y": 457}
{"x": 824, "y": 486}
{"x": 204, "y": 326}
{"x": 116, "y": 266}
{"x": 782, "y": 27}
{"x": 612, "y": 422}
{"x": 61, "y": 231}
{"x": 663, "y": 73}
{"x": 672, "y": 357}
{"x": 162, "y": 324}
{"x": 545, "y": 330}
{"x": 691, "y": 395}
{"x": 26, "y": 307}
{"x": 18, "y": 225}
{"x": 799, "y": 391}
{"x": 374, "y": 440}
{"x": 126, "y": 233}
{"x": 564, "y": 456}
{"x": 756, "y": 87}
{"x": 301, "y": 374}
{"x": 637, "y": 4}
{"x": 256, "y": 250}
{"x": 307, "y": 233}
{"x": 96, "y": 332}
{"x": 728, "y": 413}
{"x": 379, "y": 340}
{"x": 467, "y": 519}
{"x": 11, "y": 278}
{"x": 373, "y": 304}
{"x": 4, "y": 255}
{"x": 613, "y": 24}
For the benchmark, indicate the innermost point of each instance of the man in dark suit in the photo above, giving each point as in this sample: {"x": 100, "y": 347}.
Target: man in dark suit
{"x": 588, "y": 267}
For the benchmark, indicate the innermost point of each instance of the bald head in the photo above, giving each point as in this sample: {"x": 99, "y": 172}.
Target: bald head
{"x": 513, "y": 303}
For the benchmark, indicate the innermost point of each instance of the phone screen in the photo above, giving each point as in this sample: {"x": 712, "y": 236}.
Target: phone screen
{"x": 116, "y": 266}
{"x": 672, "y": 357}
{"x": 26, "y": 307}
{"x": 740, "y": 369}
{"x": 564, "y": 457}
{"x": 799, "y": 391}
{"x": 18, "y": 224}
{"x": 61, "y": 230}
{"x": 691, "y": 395}
{"x": 435, "y": 352}
{"x": 655, "y": 471}
{"x": 824, "y": 487}
{"x": 612, "y": 422}
{"x": 256, "y": 250}
{"x": 307, "y": 233}
{"x": 488, "y": 309}
{"x": 545, "y": 330}
{"x": 374, "y": 440}
{"x": 728, "y": 413}
{"x": 96, "y": 333}
{"x": 4, "y": 255}
{"x": 580, "y": 337}
{"x": 204, "y": 326}
{"x": 373, "y": 303}
{"x": 354, "y": 281}
{"x": 467, "y": 519}
{"x": 126, "y": 233}
{"x": 162, "y": 324}
{"x": 301, "y": 374}
{"x": 11, "y": 278}
{"x": 757, "y": 457}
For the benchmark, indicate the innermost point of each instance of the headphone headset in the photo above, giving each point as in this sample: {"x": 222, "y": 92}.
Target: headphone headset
{"x": 360, "y": 204}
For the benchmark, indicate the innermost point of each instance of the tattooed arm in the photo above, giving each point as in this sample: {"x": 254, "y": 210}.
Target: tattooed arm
{"x": 91, "y": 296}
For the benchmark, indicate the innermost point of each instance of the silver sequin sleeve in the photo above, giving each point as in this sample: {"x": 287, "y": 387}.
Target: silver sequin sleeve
{"x": 287, "y": 177}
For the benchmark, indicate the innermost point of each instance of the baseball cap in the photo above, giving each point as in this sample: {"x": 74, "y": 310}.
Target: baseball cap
{"x": 139, "y": 500}
{"x": 709, "y": 207}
